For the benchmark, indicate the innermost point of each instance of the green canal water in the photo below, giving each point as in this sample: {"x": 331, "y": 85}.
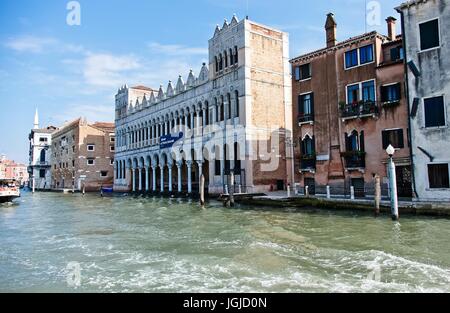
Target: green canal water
{"x": 126, "y": 244}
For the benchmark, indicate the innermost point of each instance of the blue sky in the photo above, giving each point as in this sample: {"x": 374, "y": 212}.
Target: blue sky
{"x": 71, "y": 71}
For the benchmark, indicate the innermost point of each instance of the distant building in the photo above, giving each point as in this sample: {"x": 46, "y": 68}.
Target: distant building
{"x": 12, "y": 170}
{"x": 426, "y": 27}
{"x": 83, "y": 156}
{"x": 349, "y": 105}
{"x": 39, "y": 155}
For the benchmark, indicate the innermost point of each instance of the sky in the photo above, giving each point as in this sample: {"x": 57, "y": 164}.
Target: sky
{"x": 67, "y": 71}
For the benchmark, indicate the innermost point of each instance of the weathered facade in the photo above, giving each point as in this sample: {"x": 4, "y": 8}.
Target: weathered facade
{"x": 349, "y": 106}
{"x": 83, "y": 156}
{"x": 215, "y": 123}
{"x": 427, "y": 41}
{"x": 40, "y": 156}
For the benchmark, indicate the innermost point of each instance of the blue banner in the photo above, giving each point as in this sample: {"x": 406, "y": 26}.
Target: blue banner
{"x": 168, "y": 141}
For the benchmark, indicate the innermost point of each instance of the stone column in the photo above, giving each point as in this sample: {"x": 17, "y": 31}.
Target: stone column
{"x": 162, "y": 177}
{"x": 154, "y": 178}
{"x": 205, "y": 111}
{"x": 170, "y": 177}
{"x": 179, "y": 165}
{"x": 147, "y": 183}
{"x": 189, "y": 167}
{"x": 140, "y": 178}
{"x": 133, "y": 177}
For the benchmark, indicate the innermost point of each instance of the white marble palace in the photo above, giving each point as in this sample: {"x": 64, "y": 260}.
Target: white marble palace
{"x": 235, "y": 116}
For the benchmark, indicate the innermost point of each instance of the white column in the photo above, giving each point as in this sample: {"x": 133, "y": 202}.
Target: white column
{"x": 189, "y": 166}
{"x": 179, "y": 176}
{"x": 162, "y": 177}
{"x": 133, "y": 177}
{"x": 140, "y": 178}
{"x": 147, "y": 170}
{"x": 170, "y": 177}
{"x": 205, "y": 111}
{"x": 154, "y": 178}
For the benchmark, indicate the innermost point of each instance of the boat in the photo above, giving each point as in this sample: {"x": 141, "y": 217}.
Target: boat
{"x": 107, "y": 190}
{"x": 8, "y": 190}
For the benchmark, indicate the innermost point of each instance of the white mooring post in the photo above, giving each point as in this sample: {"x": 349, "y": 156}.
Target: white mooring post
{"x": 240, "y": 189}
{"x": 307, "y": 191}
{"x": 34, "y": 184}
{"x": 352, "y": 193}
{"x": 289, "y": 190}
{"x": 328, "y": 192}
{"x": 393, "y": 187}
{"x": 226, "y": 190}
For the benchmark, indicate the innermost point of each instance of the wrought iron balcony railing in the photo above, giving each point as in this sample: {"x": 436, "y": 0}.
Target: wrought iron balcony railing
{"x": 354, "y": 159}
{"x": 308, "y": 162}
{"x": 359, "y": 109}
{"x": 305, "y": 118}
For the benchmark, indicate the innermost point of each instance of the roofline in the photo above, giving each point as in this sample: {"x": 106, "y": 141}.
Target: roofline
{"x": 340, "y": 45}
{"x": 408, "y": 4}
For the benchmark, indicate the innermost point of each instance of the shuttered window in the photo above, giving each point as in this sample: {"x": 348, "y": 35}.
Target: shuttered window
{"x": 434, "y": 112}
{"x": 438, "y": 176}
{"x": 391, "y": 93}
{"x": 351, "y": 58}
{"x": 429, "y": 34}
{"x": 393, "y": 137}
{"x": 366, "y": 54}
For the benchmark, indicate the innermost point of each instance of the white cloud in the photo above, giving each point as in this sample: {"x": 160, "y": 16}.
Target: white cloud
{"x": 107, "y": 70}
{"x": 30, "y": 43}
{"x": 176, "y": 50}
{"x": 93, "y": 112}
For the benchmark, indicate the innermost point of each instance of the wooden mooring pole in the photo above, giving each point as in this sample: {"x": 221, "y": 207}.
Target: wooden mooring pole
{"x": 202, "y": 190}
{"x": 377, "y": 194}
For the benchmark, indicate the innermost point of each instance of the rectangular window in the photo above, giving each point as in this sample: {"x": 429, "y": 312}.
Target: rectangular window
{"x": 438, "y": 176}
{"x": 366, "y": 54}
{"x": 90, "y": 147}
{"x": 73, "y": 163}
{"x": 111, "y": 162}
{"x": 90, "y": 161}
{"x": 393, "y": 137}
{"x": 434, "y": 112}
{"x": 397, "y": 53}
{"x": 112, "y": 139}
{"x": 42, "y": 139}
{"x": 353, "y": 94}
{"x": 41, "y": 173}
{"x": 429, "y": 34}
{"x": 112, "y": 148}
{"x": 351, "y": 58}
{"x": 368, "y": 91}
{"x": 305, "y": 105}
{"x": 73, "y": 149}
{"x": 391, "y": 93}
{"x": 104, "y": 174}
{"x": 304, "y": 71}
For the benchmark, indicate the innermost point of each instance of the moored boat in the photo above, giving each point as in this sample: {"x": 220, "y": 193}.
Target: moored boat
{"x": 8, "y": 190}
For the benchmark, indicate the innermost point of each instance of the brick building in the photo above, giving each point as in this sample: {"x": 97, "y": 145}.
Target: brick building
{"x": 83, "y": 156}
{"x": 349, "y": 105}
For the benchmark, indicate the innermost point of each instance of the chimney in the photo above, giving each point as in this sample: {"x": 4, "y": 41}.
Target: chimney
{"x": 392, "y": 33}
{"x": 330, "y": 27}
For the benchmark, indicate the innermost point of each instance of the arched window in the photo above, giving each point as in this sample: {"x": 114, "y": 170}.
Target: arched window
{"x": 222, "y": 109}
{"x": 226, "y": 58}
{"x": 220, "y": 62}
{"x": 236, "y": 57}
{"x": 231, "y": 57}
{"x": 42, "y": 156}
{"x": 236, "y": 97}
{"x": 229, "y": 111}
{"x": 237, "y": 159}
{"x": 217, "y": 63}
{"x": 216, "y": 107}
{"x": 308, "y": 146}
{"x": 207, "y": 113}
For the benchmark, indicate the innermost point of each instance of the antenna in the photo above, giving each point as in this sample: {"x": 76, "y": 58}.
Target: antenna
{"x": 365, "y": 16}
{"x": 246, "y": 12}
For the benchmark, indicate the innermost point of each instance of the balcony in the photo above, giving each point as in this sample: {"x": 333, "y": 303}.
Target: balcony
{"x": 354, "y": 159}
{"x": 361, "y": 109}
{"x": 308, "y": 163}
{"x": 305, "y": 119}
{"x": 390, "y": 104}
